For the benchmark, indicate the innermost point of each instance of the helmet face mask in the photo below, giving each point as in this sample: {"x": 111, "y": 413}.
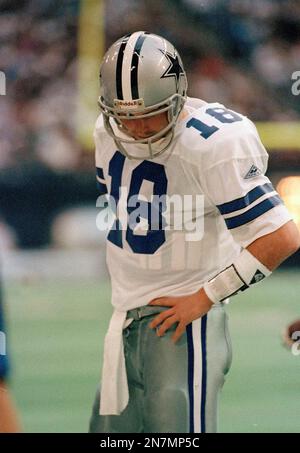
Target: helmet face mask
{"x": 141, "y": 76}
{"x": 113, "y": 124}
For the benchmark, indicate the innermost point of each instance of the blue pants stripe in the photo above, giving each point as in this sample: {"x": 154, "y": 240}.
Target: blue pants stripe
{"x": 190, "y": 345}
{"x": 197, "y": 374}
{"x": 204, "y": 372}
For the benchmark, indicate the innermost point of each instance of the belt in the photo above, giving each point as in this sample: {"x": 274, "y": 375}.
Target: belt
{"x": 149, "y": 310}
{"x": 142, "y": 312}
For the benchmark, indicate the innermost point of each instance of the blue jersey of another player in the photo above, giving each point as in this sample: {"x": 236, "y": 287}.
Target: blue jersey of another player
{"x": 4, "y": 365}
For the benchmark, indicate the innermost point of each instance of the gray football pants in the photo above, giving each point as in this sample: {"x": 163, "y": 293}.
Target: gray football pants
{"x": 173, "y": 388}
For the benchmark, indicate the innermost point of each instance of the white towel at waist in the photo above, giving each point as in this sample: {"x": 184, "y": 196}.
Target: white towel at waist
{"x": 114, "y": 388}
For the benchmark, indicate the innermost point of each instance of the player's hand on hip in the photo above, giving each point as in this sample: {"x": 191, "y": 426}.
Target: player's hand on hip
{"x": 183, "y": 310}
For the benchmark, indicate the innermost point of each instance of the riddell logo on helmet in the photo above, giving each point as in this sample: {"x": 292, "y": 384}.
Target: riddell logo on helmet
{"x": 129, "y": 104}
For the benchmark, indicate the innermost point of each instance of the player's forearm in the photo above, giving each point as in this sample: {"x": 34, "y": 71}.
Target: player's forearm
{"x": 274, "y": 248}
{"x": 254, "y": 263}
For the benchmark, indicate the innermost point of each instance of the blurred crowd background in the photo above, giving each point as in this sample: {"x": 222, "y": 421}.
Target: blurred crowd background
{"x": 240, "y": 53}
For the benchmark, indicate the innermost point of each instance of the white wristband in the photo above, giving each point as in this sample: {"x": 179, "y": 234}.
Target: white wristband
{"x": 245, "y": 271}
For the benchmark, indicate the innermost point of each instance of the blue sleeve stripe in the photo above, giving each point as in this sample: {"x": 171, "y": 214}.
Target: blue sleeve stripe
{"x": 243, "y": 202}
{"x": 100, "y": 172}
{"x": 101, "y": 187}
{"x": 253, "y": 213}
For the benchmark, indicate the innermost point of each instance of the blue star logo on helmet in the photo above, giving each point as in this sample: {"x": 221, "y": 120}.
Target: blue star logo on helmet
{"x": 175, "y": 69}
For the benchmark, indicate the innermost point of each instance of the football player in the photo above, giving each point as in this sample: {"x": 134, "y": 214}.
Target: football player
{"x": 9, "y": 422}
{"x": 167, "y": 349}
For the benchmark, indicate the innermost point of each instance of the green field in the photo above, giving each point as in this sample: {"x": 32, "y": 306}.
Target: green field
{"x": 56, "y": 340}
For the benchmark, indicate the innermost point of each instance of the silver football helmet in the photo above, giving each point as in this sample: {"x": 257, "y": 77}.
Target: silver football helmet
{"x": 141, "y": 75}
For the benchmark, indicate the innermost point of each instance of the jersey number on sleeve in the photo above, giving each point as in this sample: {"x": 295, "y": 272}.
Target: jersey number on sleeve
{"x": 140, "y": 243}
{"x": 222, "y": 115}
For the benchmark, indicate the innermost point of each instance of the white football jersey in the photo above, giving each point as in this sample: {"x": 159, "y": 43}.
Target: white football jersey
{"x": 215, "y": 200}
